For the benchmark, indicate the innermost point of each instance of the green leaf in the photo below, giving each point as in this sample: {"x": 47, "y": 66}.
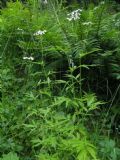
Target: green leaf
{"x": 10, "y": 156}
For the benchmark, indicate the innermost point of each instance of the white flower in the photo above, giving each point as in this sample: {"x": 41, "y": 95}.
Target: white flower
{"x": 87, "y": 23}
{"x": 40, "y": 33}
{"x": 28, "y": 58}
{"x": 74, "y": 15}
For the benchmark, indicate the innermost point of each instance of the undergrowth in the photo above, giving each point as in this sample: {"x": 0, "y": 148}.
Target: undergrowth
{"x": 60, "y": 74}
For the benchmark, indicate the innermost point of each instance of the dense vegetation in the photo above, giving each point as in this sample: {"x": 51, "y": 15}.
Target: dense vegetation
{"x": 60, "y": 81}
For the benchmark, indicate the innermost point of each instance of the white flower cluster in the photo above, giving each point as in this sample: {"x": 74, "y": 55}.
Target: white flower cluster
{"x": 40, "y": 33}
{"x": 28, "y": 58}
{"x": 74, "y": 15}
{"x": 87, "y": 23}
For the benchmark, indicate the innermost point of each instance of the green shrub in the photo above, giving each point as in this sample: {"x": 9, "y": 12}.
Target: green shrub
{"x": 57, "y": 66}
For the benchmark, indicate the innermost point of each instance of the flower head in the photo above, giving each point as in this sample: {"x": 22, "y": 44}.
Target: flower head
{"x": 39, "y": 32}
{"x": 28, "y": 58}
{"x": 74, "y": 15}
